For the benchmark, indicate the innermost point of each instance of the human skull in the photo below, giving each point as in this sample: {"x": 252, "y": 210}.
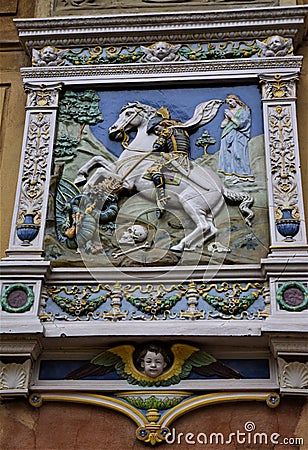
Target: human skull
{"x": 134, "y": 235}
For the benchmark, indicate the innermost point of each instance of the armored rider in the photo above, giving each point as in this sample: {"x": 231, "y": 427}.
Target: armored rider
{"x": 174, "y": 143}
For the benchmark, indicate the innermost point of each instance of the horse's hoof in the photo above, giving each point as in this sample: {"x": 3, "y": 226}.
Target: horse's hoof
{"x": 80, "y": 179}
{"x": 177, "y": 248}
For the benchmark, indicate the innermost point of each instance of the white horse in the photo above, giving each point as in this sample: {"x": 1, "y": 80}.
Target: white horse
{"x": 201, "y": 194}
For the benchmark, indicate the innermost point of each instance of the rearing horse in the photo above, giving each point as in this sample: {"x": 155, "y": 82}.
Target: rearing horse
{"x": 201, "y": 194}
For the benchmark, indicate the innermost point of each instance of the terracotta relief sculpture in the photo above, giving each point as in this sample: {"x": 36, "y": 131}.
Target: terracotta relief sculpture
{"x": 200, "y": 193}
{"x": 161, "y": 51}
{"x": 154, "y": 365}
{"x": 142, "y": 170}
{"x": 275, "y": 46}
{"x": 48, "y": 56}
{"x": 234, "y": 157}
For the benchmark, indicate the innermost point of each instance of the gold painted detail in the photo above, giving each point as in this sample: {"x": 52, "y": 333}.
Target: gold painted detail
{"x": 155, "y": 302}
{"x": 161, "y": 51}
{"x": 283, "y": 168}
{"x": 42, "y": 95}
{"x": 154, "y": 426}
{"x": 152, "y": 433}
{"x": 35, "y": 168}
{"x": 231, "y": 298}
{"x": 280, "y": 86}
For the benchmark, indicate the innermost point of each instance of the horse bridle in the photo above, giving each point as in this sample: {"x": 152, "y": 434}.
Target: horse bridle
{"x": 125, "y": 140}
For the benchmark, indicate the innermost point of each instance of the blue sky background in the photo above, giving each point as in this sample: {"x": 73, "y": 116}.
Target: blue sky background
{"x": 181, "y": 102}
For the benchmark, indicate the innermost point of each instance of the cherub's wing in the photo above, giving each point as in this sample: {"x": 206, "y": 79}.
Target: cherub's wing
{"x": 35, "y": 56}
{"x": 172, "y": 376}
{"x": 176, "y": 48}
{"x": 261, "y": 44}
{"x": 126, "y": 369}
{"x": 102, "y": 364}
{"x": 204, "y": 364}
{"x": 289, "y": 45}
{"x": 204, "y": 113}
{"x": 146, "y": 50}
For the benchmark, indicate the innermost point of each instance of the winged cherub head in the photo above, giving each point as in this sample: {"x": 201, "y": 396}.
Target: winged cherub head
{"x": 153, "y": 360}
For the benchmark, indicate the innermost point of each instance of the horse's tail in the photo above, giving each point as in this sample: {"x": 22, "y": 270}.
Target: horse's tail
{"x": 245, "y": 200}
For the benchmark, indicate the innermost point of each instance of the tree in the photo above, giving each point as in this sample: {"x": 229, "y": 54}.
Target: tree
{"x": 81, "y": 107}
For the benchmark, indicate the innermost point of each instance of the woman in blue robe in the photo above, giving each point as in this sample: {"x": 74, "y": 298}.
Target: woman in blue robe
{"x": 234, "y": 157}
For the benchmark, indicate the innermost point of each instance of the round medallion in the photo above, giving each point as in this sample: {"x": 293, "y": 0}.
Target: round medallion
{"x": 17, "y": 298}
{"x": 292, "y": 296}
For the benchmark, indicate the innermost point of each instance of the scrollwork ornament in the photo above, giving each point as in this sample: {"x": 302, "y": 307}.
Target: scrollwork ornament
{"x": 281, "y": 86}
{"x": 283, "y": 168}
{"x": 34, "y": 177}
{"x": 42, "y": 95}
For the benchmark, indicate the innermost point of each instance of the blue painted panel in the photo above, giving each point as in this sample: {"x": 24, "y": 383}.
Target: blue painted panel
{"x": 58, "y": 369}
{"x": 181, "y": 102}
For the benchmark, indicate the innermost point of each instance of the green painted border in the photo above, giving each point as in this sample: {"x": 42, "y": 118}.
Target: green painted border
{"x": 26, "y": 307}
{"x": 284, "y": 305}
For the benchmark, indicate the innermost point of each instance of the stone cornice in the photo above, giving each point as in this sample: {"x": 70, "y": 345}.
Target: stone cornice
{"x": 174, "y": 27}
{"x": 116, "y": 73}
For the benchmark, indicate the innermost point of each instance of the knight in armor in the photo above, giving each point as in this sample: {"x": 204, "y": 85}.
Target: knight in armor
{"x": 174, "y": 144}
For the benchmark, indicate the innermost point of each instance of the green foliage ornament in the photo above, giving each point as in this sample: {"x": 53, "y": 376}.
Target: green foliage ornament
{"x": 155, "y": 306}
{"x": 79, "y": 306}
{"x": 230, "y": 305}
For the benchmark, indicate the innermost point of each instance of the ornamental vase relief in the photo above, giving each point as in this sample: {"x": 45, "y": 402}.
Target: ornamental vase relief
{"x": 38, "y": 140}
{"x": 34, "y": 176}
{"x": 279, "y": 94}
{"x": 284, "y": 172}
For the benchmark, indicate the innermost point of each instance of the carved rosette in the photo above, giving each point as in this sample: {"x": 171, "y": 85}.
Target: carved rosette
{"x": 30, "y": 209}
{"x": 279, "y": 94}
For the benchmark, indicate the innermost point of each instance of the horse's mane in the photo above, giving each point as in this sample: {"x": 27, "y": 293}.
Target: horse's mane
{"x": 149, "y": 110}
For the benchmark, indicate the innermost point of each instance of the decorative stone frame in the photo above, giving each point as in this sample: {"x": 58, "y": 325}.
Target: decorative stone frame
{"x": 278, "y": 76}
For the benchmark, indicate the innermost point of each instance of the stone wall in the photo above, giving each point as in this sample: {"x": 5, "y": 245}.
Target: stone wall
{"x": 12, "y": 112}
{"x": 79, "y": 427}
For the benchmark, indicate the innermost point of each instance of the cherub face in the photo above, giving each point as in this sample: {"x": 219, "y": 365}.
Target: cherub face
{"x": 276, "y": 43}
{"x": 153, "y": 364}
{"x": 48, "y": 54}
{"x": 161, "y": 50}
